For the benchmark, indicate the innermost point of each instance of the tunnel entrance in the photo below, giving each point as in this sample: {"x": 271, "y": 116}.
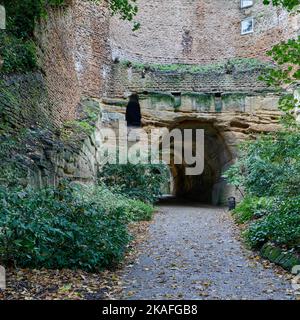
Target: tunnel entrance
{"x": 208, "y": 187}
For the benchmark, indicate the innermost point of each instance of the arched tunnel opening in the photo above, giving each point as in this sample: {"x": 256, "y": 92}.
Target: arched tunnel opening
{"x": 207, "y": 187}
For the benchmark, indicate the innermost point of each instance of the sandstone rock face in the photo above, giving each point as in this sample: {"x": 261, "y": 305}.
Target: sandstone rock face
{"x": 226, "y": 121}
{"x": 223, "y": 130}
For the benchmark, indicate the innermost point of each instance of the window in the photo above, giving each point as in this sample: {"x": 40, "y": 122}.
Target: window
{"x": 247, "y": 26}
{"x": 177, "y": 99}
{"x": 246, "y": 3}
{"x": 218, "y": 102}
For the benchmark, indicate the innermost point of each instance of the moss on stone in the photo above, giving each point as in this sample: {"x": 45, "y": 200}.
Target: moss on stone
{"x": 116, "y": 102}
{"x": 162, "y": 97}
{"x": 228, "y": 97}
{"x": 201, "y": 101}
{"x": 277, "y": 255}
{"x": 85, "y": 124}
{"x": 234, "y": 101}
{"x": 239, "y": 64}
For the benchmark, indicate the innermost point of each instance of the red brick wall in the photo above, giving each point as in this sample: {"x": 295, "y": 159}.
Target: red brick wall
{"x": 73, "y": 53}
{"x": 92, "y": 52}
{"x": 201, "y": 31}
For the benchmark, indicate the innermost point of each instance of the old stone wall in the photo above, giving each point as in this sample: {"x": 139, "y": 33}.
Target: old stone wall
{"x": 92, "y": 52}
{"x": 73, "y": 53}
{"x": 56, "y": 43}
{"x": 85, "y": 52}
{"x": 199, "y": 31}
{"x": 46, "y": 152}
{"x": 24, "y": 100}
{"x": 237, "y": 75}
{"x": 79, "y": 43}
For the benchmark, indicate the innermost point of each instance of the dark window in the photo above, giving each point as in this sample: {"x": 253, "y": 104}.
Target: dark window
{"x": 133, "y": 112}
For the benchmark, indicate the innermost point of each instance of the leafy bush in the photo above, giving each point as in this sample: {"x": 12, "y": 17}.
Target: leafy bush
{"x": 269, "y": 172}
{"x": 281, "y": 225}
{"x": 60, "y": 228}
{"x": 139, "y": 211}
{"x": 251, "y": 208}
{"x": 70, "y": 226}
{"x": 138, "y": 181}
{"x": 18, "y": 55}
{"x": 111, "y": 201}
{"x": 269, "y": 166}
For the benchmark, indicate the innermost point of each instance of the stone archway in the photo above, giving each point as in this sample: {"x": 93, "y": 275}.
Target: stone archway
{"x": 208, "y": 187}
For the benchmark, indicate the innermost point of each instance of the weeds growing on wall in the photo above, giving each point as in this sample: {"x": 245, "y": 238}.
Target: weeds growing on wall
{"x": 13, "y": 161}
{"x": 237, "y": 64}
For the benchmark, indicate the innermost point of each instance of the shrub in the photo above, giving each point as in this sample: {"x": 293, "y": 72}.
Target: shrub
{"x": 251, "y": 208}
{"x": 138, "y": 181}
{"x": 18, "y": 55}
{"x": 111, "y": 201}
{"x": 70, "y": 226}
{"x": 60, "y": 228}
{"x": 269, "y": 166}
{"x": 140, "y": 211}
{"x": 269, "y": 172}
{"x": 281, "y": 225}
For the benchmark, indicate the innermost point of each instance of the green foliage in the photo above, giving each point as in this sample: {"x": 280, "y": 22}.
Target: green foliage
{"x": 70, "y": 226}
{"x": 18, "y": 55}
{"x": 288, "y": 102}
{"x": 127, "y": 9}
{"x": 251, "y": 208}
{"x": 240, "y": 64}
{"x": 111, "y": 200}
{"x": 268, "y": 170}
{"x": 139, "y": 181}
{"x": 269, "y": 166}
{"x": 287, "y": 56}
{"x": 288, "y": 4}
{"x": 139, "y": 211}
{"x": 281, "y": 225}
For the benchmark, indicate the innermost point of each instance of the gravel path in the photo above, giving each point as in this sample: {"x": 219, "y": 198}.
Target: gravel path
{"x": 193, "y": 252}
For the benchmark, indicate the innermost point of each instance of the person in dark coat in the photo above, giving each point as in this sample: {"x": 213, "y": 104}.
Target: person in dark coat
{"x": 133, "y": 112}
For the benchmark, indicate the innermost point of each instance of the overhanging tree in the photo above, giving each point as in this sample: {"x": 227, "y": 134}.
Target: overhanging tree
{"x": 287, "y": 58}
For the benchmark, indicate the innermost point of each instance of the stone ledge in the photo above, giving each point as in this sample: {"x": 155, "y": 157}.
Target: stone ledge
{"x": 285, "y": 259}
